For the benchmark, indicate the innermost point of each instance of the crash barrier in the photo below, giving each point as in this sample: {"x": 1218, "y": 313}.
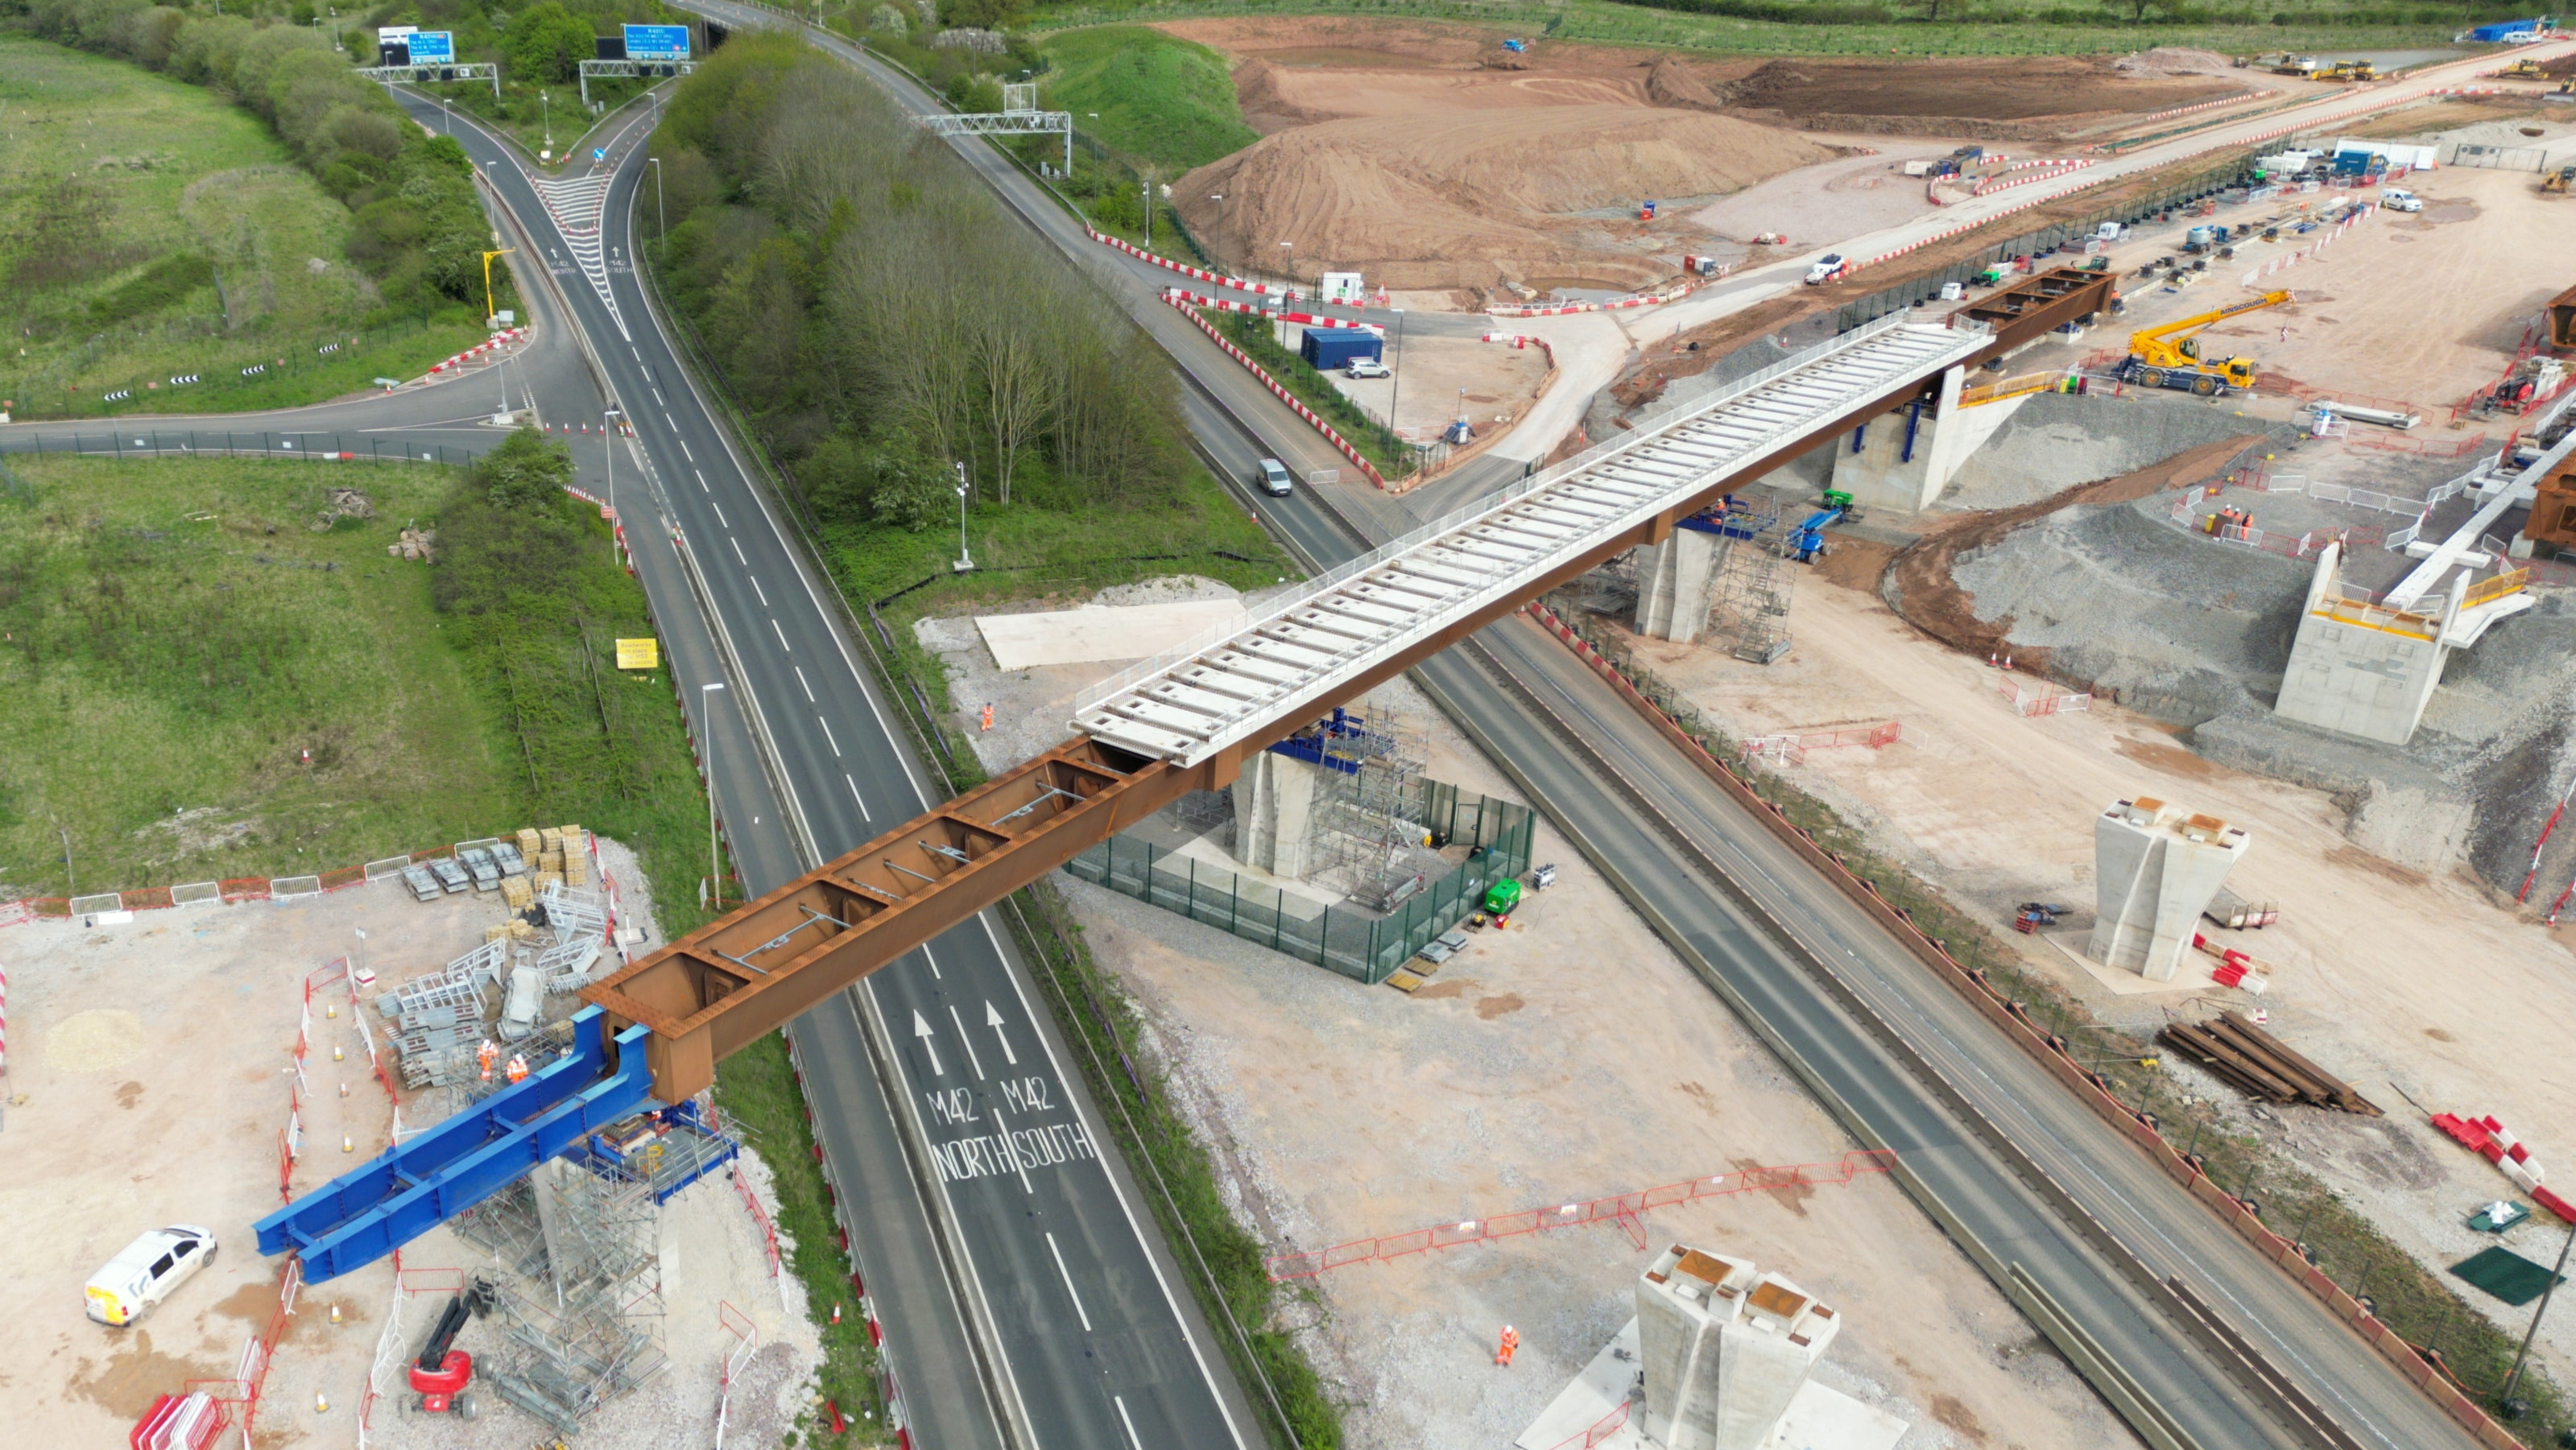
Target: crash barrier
{"x": 155, "y": 442}
{"x": 1627, "y": 1210}
{"x": 2053, "y": 1051}
{"x": 1331, "y": 434}
{"x": 1362, "y": 945}
{"x": 1523, "y": 340}
{"x": 2049, "y": 170}
{"x": 759, "y": 1217}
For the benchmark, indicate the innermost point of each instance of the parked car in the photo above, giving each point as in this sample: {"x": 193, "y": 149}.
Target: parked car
{"x": 1273, "y": 477}
{"x": 1826, "y": 268}
{"x": 145, "y": 1271}
{"x": 424, "y": 886}
{"x": 449, "y": 874}
{"x": 1369, "y": 367}
{"x": 487, "y": 872}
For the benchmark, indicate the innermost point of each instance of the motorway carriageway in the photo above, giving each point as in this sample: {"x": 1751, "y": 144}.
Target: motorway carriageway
{"x": 1583, "y": 755}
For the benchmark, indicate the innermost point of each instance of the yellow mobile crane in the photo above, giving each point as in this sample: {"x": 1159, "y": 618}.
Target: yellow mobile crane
{"x": 2169, "y": 356}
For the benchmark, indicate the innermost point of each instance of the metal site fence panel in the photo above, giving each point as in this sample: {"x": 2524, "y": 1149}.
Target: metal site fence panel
{"x": 1346, "y": 939}
{"x": 152, "y": 442}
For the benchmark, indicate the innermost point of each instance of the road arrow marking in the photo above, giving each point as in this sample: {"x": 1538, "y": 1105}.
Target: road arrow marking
{"x": 993, "y": 1019}
{"x": 921, "y": 1029}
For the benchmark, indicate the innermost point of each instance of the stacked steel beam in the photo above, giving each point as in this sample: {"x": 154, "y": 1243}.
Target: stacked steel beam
{"x": 2257, "y": 1064}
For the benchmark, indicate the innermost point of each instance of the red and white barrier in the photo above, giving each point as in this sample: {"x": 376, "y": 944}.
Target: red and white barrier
{"x": 2048, "y": 170}
{"x": 2488, "y": 1138}
{"x": 1185, "y": 269}
{"x": 496, "y": 340}
{"x": 1302, "y": 319}
{"x": 1331, "y": 434}
{"x": 1649, "y": 299}
{"x": 1518, "y": 339}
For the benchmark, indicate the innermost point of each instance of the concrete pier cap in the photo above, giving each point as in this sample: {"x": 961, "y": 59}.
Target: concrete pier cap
{"x": 2154, "y": 868}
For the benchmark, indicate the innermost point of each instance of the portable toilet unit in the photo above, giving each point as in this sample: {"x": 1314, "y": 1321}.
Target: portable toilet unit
{"x": 1327, "y": 348}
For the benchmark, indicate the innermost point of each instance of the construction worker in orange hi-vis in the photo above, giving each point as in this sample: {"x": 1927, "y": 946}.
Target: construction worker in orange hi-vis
{"x": 988, "y": 716}
{"x": 487, "y": 1054}
{"x": 518, "y": 1068}
{"x": 1511, "y": 1342}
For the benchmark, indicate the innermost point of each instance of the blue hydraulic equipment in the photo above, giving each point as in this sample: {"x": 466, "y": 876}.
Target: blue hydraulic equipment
{"x": 666, "y": 1149}
{"x": 1913, "y": 422}
{"x": 1808, "y": 540}
{"x": 427, "y": 1179}
{"x": 1732, "y": 518}
{"x": 1340, "y": 741}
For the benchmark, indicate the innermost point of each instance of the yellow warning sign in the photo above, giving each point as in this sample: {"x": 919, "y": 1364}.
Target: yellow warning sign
{"x": 639, "y": 654}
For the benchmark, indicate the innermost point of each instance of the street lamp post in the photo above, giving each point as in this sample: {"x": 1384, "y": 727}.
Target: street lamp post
{"x": 1291, "y": 249}
{"x": 609, "y": 443}
{"x": 546, "y": 105}
{"x": 1395, "y": 372}
{"x": 965, "y": 561}
{"x": 2533, "y": 1332}
{"x": 707, "y": 724}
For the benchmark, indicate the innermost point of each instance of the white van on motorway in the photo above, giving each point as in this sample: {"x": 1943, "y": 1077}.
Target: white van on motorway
{"x": 145, "y": 1271}
{"x": 1274, "y": 478}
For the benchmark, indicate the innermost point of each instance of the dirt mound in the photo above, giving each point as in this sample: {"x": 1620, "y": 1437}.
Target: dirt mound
{"x": 1453, "y": 200}
{"x": 2016, "y": 90}
{"x": 1919, "y": 585}
{"x": 1267, "y": 107}
{"x": 2173, "y": 60}
{"x": 1671, "y": 85}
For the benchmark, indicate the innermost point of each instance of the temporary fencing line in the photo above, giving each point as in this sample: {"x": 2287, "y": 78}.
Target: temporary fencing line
{"x": 1602, "y": 1429}
{"x": 895, "y": 1415}
{"x": 760, "y": 1219}
{"x": 1651, "y": 299}
{"x": 2056, "y": 168}
{"x": 1624, "y": 1209}
{"x": 729, "y": 1368}
{"x": 386, "y": 1376}
{"x": 1302, "y": 319}
{"x": 1236, "y": 284}
{"x": 1791, "y": 748}
{"x": 494, "y": 343}
{"x": 1330, "y": 433}
{"x": 2031, "y": 704}
{"x": 250, "y": 1373}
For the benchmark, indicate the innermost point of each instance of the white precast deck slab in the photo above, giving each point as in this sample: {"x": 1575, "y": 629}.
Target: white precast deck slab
{"x": 1299, "y": 654}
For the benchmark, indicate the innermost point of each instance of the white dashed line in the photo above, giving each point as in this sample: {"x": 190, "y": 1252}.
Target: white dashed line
{"x": 684, "y": 449}
{"x": 756, "y": 589}
{"x": 737, "y": 551}
{"x": 854, "y": 795}
{"x": 702, "y": 482}
{"x": 720, "y": 518}
{"x": 783, "y": 644}
{"x": 800, "y": 679}
{"x": 666, "y": 418}
{"x": 1121, "y": 1402}
{"x": 1069, "y": 1291}
{"x": 657, "y": 399}
{"x": 827, "y": 736}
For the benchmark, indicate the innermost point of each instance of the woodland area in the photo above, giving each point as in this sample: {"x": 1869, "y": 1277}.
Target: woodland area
{"x": 882, "y": 317}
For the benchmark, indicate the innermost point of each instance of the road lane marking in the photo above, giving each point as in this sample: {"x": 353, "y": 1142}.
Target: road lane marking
{"x": 1072, "y": 1293}
{"x": 1121, "y": 1402}
{"x": 720, "y": 518}
{"x": 763, "y": 593}
{"x": 972, "y": 1060}
{"x": 800, "y": 679}
{"x": 935, "y": 973}
{"x": 782, "y": 637}
{"x": 657, "y": 400}
{"x": 993, "y": 1019}
{"x": 684, "y": 446}
{"x": 737, "y": 551}
{"x": 921, "y": 1034}
{"x": 702, "y": 482}
{"x": 854, "y": 795}
{"x": 836, "y": 753}
{"x": 666, "y": 419}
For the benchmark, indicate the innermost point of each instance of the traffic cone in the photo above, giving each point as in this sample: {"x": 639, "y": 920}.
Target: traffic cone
{"x": 321, "y": 1406}
{"x": 836, "y": 1313}
{"x": 335, "y": 1313}
{"x": 335, "y": 1052}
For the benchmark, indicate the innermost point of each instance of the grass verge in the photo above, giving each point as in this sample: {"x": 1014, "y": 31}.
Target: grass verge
{"x": 757, "y": 1088}
{"x": 1378, "y": 443}
{"x": 1152, "y": 96}
{"x": 2411, "y": 1299}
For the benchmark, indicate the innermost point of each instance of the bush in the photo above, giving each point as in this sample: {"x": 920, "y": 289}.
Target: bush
{"x": 549, "y": 41}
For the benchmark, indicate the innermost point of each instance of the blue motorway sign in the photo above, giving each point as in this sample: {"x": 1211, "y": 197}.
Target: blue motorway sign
{"x": 433, "y": 47}
{"x": 657, "y": 42}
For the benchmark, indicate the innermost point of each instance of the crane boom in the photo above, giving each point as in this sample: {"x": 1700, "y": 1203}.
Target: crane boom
{"x": 2167, "y": 357}
{"x": 2138, "y": 340}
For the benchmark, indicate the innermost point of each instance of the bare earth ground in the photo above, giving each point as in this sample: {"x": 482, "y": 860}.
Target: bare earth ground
{"x": 1569, "y": 1058}
{"x": 2395, "y": 981}
{"x": 147, "y": 1087}
{"x": 1427, "y": 157}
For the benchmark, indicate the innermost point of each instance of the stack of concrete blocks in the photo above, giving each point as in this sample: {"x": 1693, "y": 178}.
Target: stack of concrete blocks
{"x": 1725, "y": 1348}
{"x": 1274, "y": 809}
{"x": 2153, "y": 872}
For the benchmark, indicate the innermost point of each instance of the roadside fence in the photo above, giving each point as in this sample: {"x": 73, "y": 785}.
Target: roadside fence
{"x": 2033, "y": 698}
{"x": 151, "y": 442}
{"x": 1792, "y": 748}
{"x": 239, "y": 1396}
{"x": 386, "y": 1376}
{"x": 1626, "y": 1210}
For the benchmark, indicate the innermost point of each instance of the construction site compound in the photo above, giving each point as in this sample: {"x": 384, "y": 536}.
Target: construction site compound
{"x": 2207, "y": 651}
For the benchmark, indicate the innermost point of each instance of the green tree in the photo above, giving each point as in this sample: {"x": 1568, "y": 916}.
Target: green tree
{"x": 906, "y": 489}
{"x": 982, "y": 14}
{"x": 549, "y": 42}
{"x": 525, "y": 472}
